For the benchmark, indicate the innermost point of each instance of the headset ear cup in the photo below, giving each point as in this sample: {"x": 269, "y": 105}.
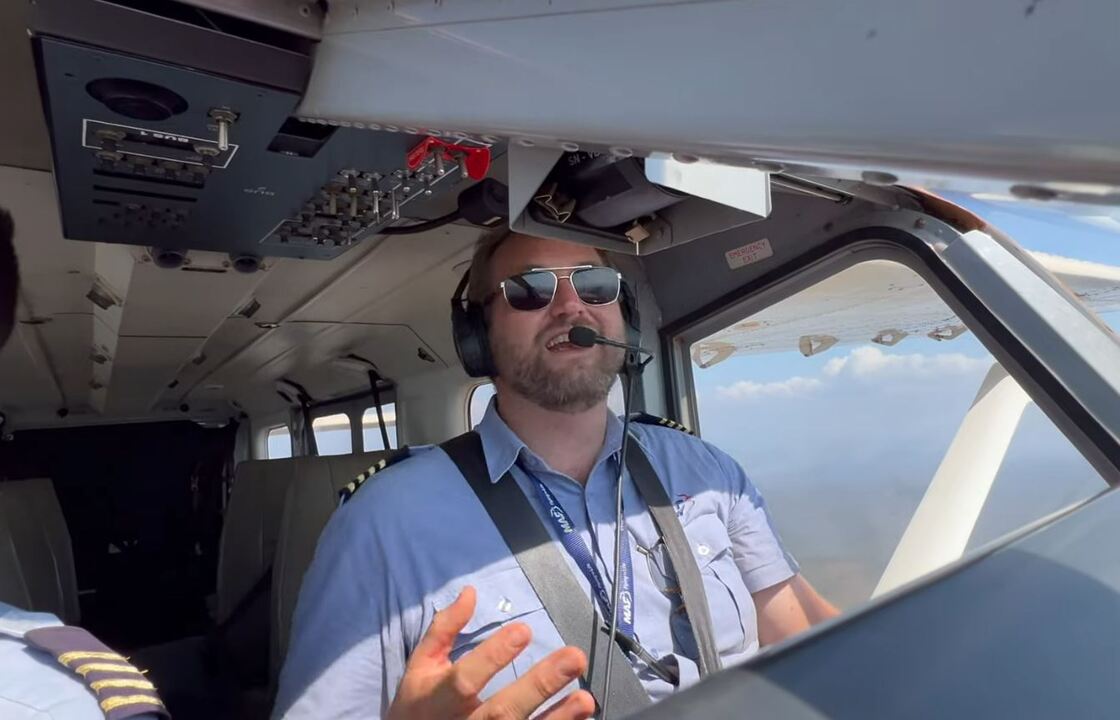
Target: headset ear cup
{"x": 468, "y": 327}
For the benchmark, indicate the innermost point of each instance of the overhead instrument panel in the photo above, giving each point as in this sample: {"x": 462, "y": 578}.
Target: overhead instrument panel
{"x": 169, "y": 145}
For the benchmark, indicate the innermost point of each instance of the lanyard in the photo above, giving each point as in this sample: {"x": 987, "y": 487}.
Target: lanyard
{"x": 579, "y": 552}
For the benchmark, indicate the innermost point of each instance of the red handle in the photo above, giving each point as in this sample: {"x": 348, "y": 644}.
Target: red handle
{"x": 477, "y": 159}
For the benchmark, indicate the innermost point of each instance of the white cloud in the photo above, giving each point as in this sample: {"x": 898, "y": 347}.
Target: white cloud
{"x": 867, "y": 362}
{"x": 833, "y": 367}
{"x": 749, "y": 390}
{"x": 861, "y": 364}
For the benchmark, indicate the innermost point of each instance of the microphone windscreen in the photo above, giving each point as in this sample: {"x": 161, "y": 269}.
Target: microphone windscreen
{"x": 582, "y": 336}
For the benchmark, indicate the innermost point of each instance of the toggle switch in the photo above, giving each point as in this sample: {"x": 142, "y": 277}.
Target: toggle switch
{"x": 224, "y": 118}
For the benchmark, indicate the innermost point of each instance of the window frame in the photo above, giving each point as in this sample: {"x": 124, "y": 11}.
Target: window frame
{"x": 361, "y": 425}
{"x": 348, "y": 414}
{"x": 890, "y": 241}
{"x": 268, "y": 437}
{"x": 353, "y": 406}
{"x": 474, "y": 387}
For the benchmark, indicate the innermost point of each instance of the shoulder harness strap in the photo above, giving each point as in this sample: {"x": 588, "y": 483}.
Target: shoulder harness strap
{"x": 389, "y": 460}
{"x": 121, "y": 689}
{"x": 647, "y": 419}
{"x": 569, "y": 608}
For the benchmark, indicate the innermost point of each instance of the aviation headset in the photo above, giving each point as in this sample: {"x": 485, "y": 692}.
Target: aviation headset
{"x": 472, "y": 342}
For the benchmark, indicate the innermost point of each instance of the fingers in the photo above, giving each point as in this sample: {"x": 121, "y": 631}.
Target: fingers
{"x": 530, "y": 691}
{"x": 477, "y": 667}
{"x": 438, "y": 641}
{"x": 580, "y": 705}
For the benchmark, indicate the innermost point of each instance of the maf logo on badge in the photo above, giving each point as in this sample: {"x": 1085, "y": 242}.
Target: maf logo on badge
{"x": 682, "y": 504}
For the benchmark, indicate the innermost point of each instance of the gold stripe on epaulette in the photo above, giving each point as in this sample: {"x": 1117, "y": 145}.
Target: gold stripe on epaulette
{"x": 348, "y": 492}
{"x": 86, "y": 669}
{"x": 112, "y": 703}
{"x": 122, "y": 683}
{"x": 66, "y": 657}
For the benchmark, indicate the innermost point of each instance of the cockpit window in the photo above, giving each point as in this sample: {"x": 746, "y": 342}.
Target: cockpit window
{"x": 849, "y": 400}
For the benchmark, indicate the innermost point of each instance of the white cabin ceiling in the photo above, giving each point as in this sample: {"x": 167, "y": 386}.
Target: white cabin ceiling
{"x": 176, "y": 337}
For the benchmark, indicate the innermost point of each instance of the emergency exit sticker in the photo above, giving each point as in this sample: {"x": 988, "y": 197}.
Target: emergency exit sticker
{"x": 748, "y": 254}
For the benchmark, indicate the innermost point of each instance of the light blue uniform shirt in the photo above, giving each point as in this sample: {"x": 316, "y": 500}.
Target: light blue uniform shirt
{"x": 33, "y": 685}
{"x": 415, "y": 534}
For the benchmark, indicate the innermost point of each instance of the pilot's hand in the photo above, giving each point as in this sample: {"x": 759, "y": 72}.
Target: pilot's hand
{"x": 434, "y": 687}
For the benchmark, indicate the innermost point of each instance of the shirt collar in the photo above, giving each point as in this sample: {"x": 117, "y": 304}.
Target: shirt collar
{"x": 15, "y": 622}
{"x": 502, "y": 447}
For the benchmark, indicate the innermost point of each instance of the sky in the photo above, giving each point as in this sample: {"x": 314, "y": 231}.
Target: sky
{"x": 843, "y": 444}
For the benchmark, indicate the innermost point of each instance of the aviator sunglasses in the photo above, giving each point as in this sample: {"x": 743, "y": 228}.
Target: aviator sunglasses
{"x": 536, "y": 288}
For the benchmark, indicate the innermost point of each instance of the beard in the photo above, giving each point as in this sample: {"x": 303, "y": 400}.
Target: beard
{"x": 572, "y": 388}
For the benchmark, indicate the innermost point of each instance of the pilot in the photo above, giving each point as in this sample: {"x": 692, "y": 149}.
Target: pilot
{"x": 51, "y": 670}
{"x": 414, "y": 607}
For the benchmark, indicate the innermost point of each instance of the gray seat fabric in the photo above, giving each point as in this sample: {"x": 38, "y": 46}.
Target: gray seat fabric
{"x": 251, "y": 528}
{"x": 310, "y": 501}
{"x": 247, "y": 550}
{"x": 36, "y": 558}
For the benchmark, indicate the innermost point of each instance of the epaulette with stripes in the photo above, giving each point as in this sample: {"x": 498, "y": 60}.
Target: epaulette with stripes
{"x": 121, "y": 690}
{"x": 389, "y": 460}
{"x": 647, "y": 419}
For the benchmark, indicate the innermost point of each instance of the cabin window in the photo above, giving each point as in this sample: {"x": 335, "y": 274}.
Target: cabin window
{"x": 843, "y": 401}
{"x": 279, "y": 442}
{"x": 371, "y": 432}
{"x": 478, "y": 401}
{"x": 332, "y": 434}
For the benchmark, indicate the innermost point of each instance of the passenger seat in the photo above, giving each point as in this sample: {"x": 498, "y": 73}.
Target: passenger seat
{"x": 311, "y": 500}
{"x": 36, "y": 558}
{"x": 250, "y": 532}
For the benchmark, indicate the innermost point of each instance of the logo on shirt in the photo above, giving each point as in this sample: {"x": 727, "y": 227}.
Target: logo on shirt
{"x": 561, "y": 519}
{"x": 682, "y": 504}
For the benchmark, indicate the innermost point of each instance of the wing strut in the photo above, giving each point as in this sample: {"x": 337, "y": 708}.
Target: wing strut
{"x": 944, "y": 520}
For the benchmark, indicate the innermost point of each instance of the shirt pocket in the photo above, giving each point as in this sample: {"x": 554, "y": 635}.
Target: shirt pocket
{"x": 503, "y": 596}
{"x": 730, "y": 604}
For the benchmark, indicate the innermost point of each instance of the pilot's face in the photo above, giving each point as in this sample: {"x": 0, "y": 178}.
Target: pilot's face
{"x": 530, "y": 348}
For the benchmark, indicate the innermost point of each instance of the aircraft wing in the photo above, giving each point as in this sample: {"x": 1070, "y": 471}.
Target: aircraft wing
{"x": 881, "y": 302}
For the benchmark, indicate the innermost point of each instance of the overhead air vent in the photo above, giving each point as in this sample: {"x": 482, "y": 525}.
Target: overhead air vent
{"x": 168, "y": 258}
{"x": 246, "y": 264}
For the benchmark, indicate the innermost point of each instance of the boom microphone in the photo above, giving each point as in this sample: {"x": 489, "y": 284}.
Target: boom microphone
{"x": 585, "y": 337}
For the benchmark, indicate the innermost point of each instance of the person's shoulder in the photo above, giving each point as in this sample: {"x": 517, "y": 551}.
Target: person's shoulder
{"x": 662, "y": 434}
{"x": 681, "y": 456}
{"x": 42, "y": 657}
{"x": 400, "y": 484}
